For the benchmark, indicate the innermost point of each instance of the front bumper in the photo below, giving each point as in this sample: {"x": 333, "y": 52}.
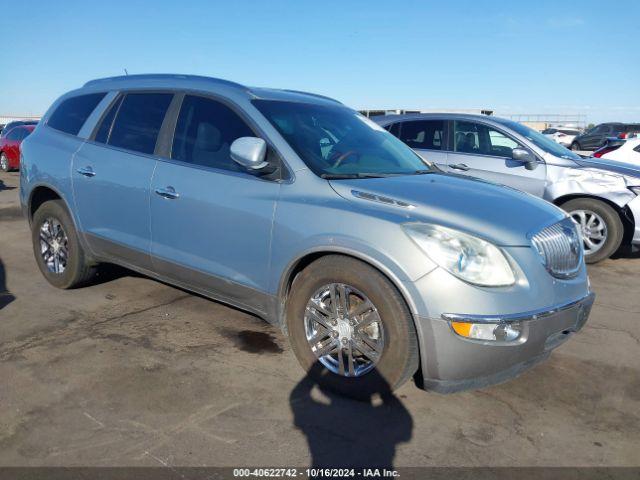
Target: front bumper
{"x": 452, "y": 363}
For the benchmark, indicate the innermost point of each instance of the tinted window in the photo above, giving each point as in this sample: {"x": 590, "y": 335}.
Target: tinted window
{"x": 25, "y": 133}
{"x": 477, "y": 138}
{"x": 73, "y": 112}
{"x": 8, "y": 127}
{"x": 423, "y": 134}
{"x": 15, "y": 134}
{"x": 205, "y": 131}
{"x": 394, "y": 129}
{"x": 138, "y": 121}
{"x": 102, "y": 135}
{"x": 549, "y": 131}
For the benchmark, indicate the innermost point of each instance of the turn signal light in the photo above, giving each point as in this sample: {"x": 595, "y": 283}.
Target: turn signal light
{"x": 505, "y": 332}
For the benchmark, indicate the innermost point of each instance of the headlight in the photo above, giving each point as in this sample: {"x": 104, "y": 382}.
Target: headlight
{"x": 465, "y": 256}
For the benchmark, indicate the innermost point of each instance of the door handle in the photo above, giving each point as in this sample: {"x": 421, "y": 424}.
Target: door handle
{"x": 167, "y": 192}
{"x": 86, "y": 171}
{"x": 459, "y": 166}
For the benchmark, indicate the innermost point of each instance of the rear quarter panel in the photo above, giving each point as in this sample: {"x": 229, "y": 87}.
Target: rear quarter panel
{"x": 46, "y": 161}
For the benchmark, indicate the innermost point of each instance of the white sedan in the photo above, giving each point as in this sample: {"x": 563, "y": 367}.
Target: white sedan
{"x": 562, "y": 135}
{"x": 628, "y": 152}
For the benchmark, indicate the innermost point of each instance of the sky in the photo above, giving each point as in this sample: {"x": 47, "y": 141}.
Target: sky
{"x": 524, "y": 57}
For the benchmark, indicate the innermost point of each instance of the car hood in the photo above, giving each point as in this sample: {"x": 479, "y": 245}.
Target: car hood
{"x": 499, "y": 214}
{"x": 612, "y": 166}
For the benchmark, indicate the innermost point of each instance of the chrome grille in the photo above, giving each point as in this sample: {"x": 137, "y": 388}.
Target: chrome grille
{"x": 560, "y": 247}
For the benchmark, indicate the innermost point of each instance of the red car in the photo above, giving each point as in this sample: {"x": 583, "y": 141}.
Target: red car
{"x": 10, "y": 147}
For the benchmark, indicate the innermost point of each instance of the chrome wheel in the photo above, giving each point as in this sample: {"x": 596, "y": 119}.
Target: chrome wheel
{"x": 592, "y": 228}
{"x": 344, "y": 330}
{"x": 4, "y": 163}
{"x": 54, "y": 245}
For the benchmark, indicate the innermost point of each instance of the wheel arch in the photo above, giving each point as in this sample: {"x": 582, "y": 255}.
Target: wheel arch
{"x": 41, "y": 194}
{"x": 307, "y": 258}
{"x": 628, "y": 222}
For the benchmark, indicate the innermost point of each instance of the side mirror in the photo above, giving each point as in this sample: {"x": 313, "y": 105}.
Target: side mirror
{"x": 526, "y": 157}
{"x": 250, "y": 152}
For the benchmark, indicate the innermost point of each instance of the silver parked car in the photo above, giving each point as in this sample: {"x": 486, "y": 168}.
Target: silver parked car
{"x": 600, "y": 195}
{"x": 302, "y": 211}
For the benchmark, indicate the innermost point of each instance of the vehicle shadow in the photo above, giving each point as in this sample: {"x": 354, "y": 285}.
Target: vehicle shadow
{"x": 108, "y": 272}
{"x": 346, "y": 433}
{"x": 3, "y": 186}
{"x": 5, "y": 297}
{"x": 626, "y": 252}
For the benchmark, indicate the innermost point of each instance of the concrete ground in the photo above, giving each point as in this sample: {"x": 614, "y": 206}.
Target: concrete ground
{"x": 130, "y": 371}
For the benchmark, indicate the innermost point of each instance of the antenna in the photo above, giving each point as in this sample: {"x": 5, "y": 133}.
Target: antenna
{"x": 125, "y": 71}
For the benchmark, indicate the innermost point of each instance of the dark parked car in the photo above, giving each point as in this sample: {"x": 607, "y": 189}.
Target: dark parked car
{"x": 9, "y": 126}
{"x": 10, "y": 147}
{"x": 597, "y": 136}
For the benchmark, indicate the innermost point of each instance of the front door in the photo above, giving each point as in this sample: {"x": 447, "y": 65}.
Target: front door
{"x": 111, "y": 176}
{"x": 210, "y": 219}
{"x": 484, "y": 152}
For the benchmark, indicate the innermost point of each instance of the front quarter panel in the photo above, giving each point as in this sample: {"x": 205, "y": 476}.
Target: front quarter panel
{"x": 312, "y": 218}
{"x": 566, "y": 181}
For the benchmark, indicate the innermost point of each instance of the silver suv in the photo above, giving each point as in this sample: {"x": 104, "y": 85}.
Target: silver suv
{"x": 601, "y": 195}
{"x": 378, "y": 266}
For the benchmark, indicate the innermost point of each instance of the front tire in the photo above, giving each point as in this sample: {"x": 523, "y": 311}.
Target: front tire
{"x": 4, "y": 163}
{"x": 350, "y": 328}
{"x": 56, "y": 247}
{"x": 601, "y": 226}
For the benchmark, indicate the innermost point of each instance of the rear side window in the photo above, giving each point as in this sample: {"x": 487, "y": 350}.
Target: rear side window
{"x": 425, "y": 134}
{"x": 138, "y": 121}
{"x": 73, "y": 112}
{"x": 102, "y": 135}
{"x": 205, "y": 131}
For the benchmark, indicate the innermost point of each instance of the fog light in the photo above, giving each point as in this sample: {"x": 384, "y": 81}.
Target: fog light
{"x": 505, "y": 332}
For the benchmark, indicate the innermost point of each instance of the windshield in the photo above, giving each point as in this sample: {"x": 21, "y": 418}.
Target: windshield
{"x": 540, "y": 140}
{"x": 335, "y": 141}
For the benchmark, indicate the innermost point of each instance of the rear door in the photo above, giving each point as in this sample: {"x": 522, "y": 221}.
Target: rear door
{"x": 211, "y": 220}
{"x": 111, "y": 177}
{"x": 426, "y": 137}
{"x": 483, "y": 151}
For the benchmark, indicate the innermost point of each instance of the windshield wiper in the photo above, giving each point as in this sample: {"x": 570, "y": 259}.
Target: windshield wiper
{"x": 340, "y": 176}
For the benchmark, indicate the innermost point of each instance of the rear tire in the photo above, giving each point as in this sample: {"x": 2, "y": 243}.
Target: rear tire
{"x": 4, "y": 163}
{"x": 57, "y": 248}
{"x": 575, "y": 146}
{"x": 399, "y": 359}
{"x": 595, "y": 213}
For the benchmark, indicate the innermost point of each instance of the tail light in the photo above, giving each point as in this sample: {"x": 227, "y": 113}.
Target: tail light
{"x": 600, "y": 152}
{"x": 622, "y": 135}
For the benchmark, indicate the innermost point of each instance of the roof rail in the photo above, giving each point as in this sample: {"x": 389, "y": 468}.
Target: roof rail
{"x": 162, "y": 76}
{"x": 312, "y": 95}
